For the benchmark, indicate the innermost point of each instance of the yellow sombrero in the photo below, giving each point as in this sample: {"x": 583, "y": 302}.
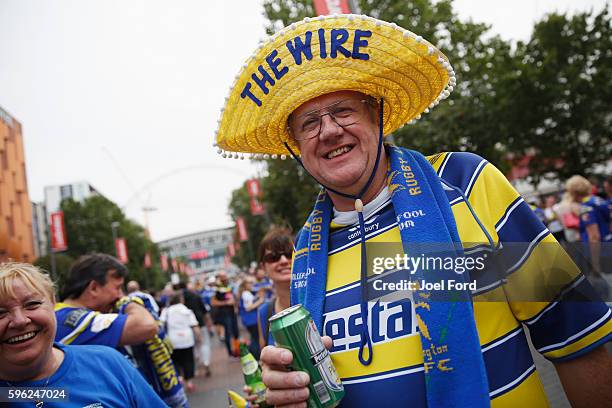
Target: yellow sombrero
{"x": 325, "y": 54}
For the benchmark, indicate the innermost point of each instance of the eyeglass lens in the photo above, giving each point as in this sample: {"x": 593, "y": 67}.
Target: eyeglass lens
{"x": 345, "y": 113}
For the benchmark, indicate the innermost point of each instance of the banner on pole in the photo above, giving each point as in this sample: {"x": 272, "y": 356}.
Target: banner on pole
{"x": 325, "y": 7}
{"x": 121, "y": 249}
{"x": 243, "y": 234}
{"x": 58, "y": 232}
{"x": 254, "y": 190}
{"x": 163, "y": 260}
{"x": 147, "y": 260}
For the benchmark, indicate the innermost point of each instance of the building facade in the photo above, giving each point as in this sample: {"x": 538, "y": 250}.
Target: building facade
{"x": 203, "y": 252}
{"x": 78, "y": 191}
{"x": 16, "y": 240}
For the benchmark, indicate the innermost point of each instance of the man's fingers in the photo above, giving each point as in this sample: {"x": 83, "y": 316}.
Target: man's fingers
{"x": 327, "y": 342}
{"x": 276, "y": 356}
{"x": 276, "y": 379}
{"x": 287, "y": 398}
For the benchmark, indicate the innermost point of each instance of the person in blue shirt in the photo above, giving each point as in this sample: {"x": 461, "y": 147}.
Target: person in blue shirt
{"x": 249, "y": 301}
{"x": 594, "y": 219}
{"x": 327, "y": 91}
{"x": 90, "y": 313}
{"x": 87, "y": 375}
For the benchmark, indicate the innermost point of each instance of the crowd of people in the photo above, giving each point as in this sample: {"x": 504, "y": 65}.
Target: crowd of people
{"x": 166, "y": 336}
{"x": 580, "y": 218}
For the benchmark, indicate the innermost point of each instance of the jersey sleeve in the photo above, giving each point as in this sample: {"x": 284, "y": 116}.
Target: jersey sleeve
{"x": 82, "y": 326}
{"x": 544, "y": 288}
{"x": 587, "y": 215}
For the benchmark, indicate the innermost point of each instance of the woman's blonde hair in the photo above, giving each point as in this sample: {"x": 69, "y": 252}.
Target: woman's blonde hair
{"x": 31, "y": 276}
{"x": 578, "y": 187}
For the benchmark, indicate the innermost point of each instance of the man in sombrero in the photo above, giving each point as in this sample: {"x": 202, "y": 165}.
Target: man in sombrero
{"x": 326, "y": 91}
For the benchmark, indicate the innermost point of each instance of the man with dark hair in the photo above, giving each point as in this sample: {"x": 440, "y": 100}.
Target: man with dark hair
{"x": 94, "y": 285}
{"x": 93, "y": 290}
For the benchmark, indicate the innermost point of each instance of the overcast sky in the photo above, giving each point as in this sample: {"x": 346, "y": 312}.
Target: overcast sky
{"x": 126, "y": 94}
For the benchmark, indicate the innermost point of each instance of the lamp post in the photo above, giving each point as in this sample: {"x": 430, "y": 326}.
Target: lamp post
{"x": 114, "y": 226}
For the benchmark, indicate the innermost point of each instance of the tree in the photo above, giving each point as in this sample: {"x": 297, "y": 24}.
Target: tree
{"x": 88, "y": 229}
{"x": 557, "y": 104}
{"x": 62, "y": 266}
{"x": 287, "y": 194}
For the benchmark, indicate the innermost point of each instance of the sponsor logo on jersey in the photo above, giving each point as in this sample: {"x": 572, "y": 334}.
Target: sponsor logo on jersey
{"x": 387, "y": 321}
{"x": 73, "y": 317}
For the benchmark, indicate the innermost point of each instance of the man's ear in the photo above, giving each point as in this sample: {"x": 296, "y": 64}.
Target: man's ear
{"x": 93, "y": 287}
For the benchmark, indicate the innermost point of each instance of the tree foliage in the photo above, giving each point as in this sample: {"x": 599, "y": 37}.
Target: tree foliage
{"x": 88, "y": 229}
{"x": 557, "y": 103}
{"x": 62, "y": 266}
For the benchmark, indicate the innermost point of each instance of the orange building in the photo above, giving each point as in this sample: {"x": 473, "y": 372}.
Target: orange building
{"x": 16, "y": 241}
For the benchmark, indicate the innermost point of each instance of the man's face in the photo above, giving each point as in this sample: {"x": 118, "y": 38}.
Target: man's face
{"x": 27, "y": 330}
{"x": 105, "y": 296}
{"x": 356, "y": 144}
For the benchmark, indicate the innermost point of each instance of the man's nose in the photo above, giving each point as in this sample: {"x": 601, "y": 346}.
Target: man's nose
{"x": 329, "y": 127}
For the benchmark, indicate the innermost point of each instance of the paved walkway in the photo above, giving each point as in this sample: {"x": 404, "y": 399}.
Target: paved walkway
{"x": 211, "y": 392}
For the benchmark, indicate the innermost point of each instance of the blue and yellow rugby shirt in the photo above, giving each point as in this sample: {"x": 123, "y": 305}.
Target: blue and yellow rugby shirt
{"x": 558, "y": 330}
{"x": 595, "y": 210}
{"x": 83, "y": 326}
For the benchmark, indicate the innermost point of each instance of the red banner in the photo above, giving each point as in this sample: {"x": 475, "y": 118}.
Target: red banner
{"x": 147, "y": 260}
{"x": 254, "y": 189}
{"x": 230, "y": 249}
{"x": 189, "y": 271}
{"x": 58, "y": 232}
{"x": 199, "y": 254}
{"x": 243, "y": 235}
{"x": 121, "y": 248}
{"x": 175, "y": 265}
{"x": 325, "y": 7}
{"x": 163, "y": 260}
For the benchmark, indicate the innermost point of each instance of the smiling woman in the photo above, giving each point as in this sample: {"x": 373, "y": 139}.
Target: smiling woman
{"x": 30, "y": 358}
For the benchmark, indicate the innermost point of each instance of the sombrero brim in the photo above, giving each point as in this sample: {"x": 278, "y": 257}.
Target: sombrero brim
{"x": 407, "y": 71}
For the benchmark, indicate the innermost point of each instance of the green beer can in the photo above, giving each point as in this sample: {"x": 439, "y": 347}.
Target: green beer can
{"x": 294, "y": 330}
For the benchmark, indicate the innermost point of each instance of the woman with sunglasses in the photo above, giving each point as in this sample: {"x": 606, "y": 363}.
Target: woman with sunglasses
{"x": 274, "y": 254}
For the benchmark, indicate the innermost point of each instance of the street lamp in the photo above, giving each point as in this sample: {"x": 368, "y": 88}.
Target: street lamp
{"x": 114, "y": 226}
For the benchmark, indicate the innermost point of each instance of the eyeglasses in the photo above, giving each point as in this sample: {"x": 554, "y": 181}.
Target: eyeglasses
{"x": 344, "y": 113}
{"x": 272, "y": 257}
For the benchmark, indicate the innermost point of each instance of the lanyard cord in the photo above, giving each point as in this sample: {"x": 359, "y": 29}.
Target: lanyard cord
{"x": 365, "y": 340}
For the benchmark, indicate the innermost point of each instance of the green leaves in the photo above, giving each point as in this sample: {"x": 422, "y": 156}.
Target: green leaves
{"x": 88, "y": 229}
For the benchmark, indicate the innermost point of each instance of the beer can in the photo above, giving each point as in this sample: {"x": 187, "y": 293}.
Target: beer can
{"x": 294, "y": 329}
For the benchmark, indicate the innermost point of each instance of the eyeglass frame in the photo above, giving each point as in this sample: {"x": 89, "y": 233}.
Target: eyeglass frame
{"x": 369, "y": 100}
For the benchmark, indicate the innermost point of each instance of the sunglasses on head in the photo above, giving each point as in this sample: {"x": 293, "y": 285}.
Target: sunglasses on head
{"x": 271, "y": 257}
